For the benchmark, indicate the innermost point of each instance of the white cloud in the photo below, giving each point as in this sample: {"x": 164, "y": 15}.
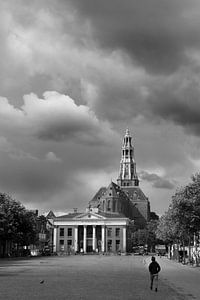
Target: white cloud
{"x": 50, "y": 156}
{"x": 54, "y": 117}
{"x": 105, "y": 80}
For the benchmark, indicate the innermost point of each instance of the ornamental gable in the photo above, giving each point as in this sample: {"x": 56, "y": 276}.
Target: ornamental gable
{"x": 89, "y": 216}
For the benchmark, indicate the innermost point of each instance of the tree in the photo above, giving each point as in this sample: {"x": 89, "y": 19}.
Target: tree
{"x": 181, "y": 223}
{"x": 192, "y": 191}
{"x": 166, "y": 229}
{"x": 17, "y": 224}
{"x": 147, "y": 236}
{"x": 175, "y": 225}
{"x": 151, "y": 234}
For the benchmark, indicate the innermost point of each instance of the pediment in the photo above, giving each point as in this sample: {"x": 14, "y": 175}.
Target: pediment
{"x": 89, "y": 216}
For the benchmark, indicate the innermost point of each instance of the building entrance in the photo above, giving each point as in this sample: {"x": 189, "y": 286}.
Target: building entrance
{"x": 89, "y": 238}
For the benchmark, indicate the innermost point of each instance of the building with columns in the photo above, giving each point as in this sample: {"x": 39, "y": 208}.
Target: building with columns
{"x": 111, "y": 216}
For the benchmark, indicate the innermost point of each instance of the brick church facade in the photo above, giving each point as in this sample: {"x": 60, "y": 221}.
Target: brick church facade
{"x": 112, "y": 214}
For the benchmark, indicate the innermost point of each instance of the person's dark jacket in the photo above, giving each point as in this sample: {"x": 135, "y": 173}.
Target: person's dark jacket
{"x": 154, "y": 267}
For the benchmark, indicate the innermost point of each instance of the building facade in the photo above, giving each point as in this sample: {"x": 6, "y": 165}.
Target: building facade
{"x": 112, "y": 214}
{"x": 91, "y": 232}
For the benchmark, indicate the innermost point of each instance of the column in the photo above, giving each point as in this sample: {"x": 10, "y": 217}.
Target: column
{"x": 94, "y": 237}
{"x": 124, "y": 239}
{"x": 84, "y": 238}
{"x": 76, "y": 239}
{"x": 55, "y": 230}
{"x": 102, "y": 238}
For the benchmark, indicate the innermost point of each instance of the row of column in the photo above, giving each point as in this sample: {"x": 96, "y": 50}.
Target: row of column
{"x": 93, "y": 238}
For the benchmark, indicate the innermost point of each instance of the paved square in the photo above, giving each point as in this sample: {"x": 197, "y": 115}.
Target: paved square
{"x": 79, "y": 277}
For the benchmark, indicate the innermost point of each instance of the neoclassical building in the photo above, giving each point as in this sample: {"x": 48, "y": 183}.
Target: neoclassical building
{"x": 111, "y": 216}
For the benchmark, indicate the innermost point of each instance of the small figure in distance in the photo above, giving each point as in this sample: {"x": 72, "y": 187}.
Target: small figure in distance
{"x": 154, "y": 269}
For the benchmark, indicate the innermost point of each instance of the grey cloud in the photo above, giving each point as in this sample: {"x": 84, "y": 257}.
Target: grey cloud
{"x": 30, "y": 176}
{"x": 163, "y": 184}
{"x": 157, "y": 181}
{"x": 40, "y": 171}
{"x": 173, "y": 98}
{"x": 177, "y": 100}
{"x": 154, "y": 33}
{"x": 55, "y": 117}
{"x": 126, "y": 62}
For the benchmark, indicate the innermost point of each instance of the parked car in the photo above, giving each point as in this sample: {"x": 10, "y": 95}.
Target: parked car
{"x": 138, "y": 250}
{"x": 46, "y": 251}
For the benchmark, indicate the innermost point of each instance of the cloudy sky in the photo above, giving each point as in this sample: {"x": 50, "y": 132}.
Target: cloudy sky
{"x": 74, "y": 75}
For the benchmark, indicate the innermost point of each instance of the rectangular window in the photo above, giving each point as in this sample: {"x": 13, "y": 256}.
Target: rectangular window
{"x": 69, "y": 242}
{"x": 117, "y": 232}
{"x": 69, "y": 231}
{"x": 118, "y": 245}
{"x": 109, "y": 245}
{"x": 69, "y": 246}
{"x": 61, "y": 231}
{"x": 109, "y": 232}
{"x": 61, "y": 245}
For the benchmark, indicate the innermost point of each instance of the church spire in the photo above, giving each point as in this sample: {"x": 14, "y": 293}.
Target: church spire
{"x": 127, "y": 173}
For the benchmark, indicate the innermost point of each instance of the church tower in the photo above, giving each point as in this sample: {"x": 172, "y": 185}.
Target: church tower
{"x": 127, "y": 173}
{"x": 128, "y": 179}
{"x": 125, "y": 197}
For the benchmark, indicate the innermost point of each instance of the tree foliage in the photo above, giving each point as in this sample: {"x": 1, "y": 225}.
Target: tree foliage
{"x": 182, "y": 219}
{"x": 147, "y": 236}
{"x": 16, "y": 223}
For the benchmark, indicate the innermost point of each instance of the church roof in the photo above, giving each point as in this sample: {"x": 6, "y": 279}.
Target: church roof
{"x": 113, "y": 190}
{"x": 134, "y": 193}
{"x": 95, "y": 200}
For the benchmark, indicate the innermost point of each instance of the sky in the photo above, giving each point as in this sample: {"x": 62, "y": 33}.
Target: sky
{"x": 74, "y": 75}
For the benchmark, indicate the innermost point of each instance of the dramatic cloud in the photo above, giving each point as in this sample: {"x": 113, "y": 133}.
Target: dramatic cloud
{"x": 154, "y": 33}
{"x": 157, "y": 181}
{"x": 72, "y": 132}
{"x": 105, "y": 66}
{"x": 55, "y": 117}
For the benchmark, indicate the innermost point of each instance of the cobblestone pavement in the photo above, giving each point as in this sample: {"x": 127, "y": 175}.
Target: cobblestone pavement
{"x": 82, "y": 277}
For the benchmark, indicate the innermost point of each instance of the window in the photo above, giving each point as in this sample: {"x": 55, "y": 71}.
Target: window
{"x": 61, "y": 231}
{"x": 117, "y": 231}
{"x": 69, "y": 246}
{"x": 61, "y": 245}
{"x": 69, "y": 231}
{"x": 69, "y": 242}
{"x": 109, "y": 245}
{"x": 109, "y": 231}
{"x": 108, "y": 205}
{"x": 117, "y": 245}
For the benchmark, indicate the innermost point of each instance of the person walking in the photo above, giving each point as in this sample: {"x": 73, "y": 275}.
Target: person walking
{"x": 154, "y": 269}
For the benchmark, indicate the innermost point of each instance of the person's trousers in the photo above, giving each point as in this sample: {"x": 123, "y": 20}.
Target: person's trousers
{"x": 154, "y": 280}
